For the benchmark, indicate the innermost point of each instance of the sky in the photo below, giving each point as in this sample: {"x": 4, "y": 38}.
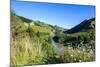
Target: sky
{"x": 63, "y": 15}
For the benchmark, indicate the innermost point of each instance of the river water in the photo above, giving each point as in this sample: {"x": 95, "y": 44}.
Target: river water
{"x": 56, "y": 46}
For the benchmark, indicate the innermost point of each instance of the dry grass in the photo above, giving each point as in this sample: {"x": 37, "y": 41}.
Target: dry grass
{"x": 24, "y": 50}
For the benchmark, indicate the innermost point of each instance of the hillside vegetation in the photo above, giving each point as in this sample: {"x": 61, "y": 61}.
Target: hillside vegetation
{"x": 31, "y": 42}
{"x": 78, "y": 42}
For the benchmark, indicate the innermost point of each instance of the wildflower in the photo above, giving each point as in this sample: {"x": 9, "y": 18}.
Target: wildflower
{"x": 79, "y": 51}
{"x": 71, "y": 55}
{"x": 83, "y": 49}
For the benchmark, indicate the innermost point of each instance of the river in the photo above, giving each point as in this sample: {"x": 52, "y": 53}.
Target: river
{"x": 56, "y": 46}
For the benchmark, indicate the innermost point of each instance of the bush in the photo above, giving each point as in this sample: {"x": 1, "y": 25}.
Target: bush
{"x": 69, "y": 55}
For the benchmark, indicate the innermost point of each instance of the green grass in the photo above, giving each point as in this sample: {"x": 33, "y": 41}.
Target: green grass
{"x": 31, "y": 45}
{"x": 26, "y": 51}
{"x": 70, "y": 55}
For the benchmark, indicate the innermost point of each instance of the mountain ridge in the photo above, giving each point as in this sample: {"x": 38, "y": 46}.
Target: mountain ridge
{"x": 84, "y": 25}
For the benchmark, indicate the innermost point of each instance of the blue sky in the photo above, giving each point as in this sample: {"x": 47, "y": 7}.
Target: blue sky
{"x": 63, "y": 15}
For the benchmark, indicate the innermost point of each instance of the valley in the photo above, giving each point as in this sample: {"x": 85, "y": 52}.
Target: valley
{"x": 35, "y": 42}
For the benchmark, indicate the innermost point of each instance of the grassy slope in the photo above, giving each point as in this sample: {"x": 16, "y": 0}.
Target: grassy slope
{"x": 30, "y": 44}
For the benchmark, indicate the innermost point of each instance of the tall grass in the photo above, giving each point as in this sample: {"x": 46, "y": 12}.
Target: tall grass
{"x": 26, "y": 50}
{"x": 23, "y": 50}
{"x": 30, "y": 44}
{"x": 81, "y": 54}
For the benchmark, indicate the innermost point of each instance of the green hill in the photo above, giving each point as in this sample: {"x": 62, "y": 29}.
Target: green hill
{"x": 83, "y": 32}
{"x": 83, "y": 26}
{"x": 30, "y": 41}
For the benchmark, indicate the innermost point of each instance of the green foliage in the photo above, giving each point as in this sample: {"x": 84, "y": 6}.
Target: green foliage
{"x": 31, "y": 43}
{"x": 69, "y": 55}
{"x": 79, "y": 45}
